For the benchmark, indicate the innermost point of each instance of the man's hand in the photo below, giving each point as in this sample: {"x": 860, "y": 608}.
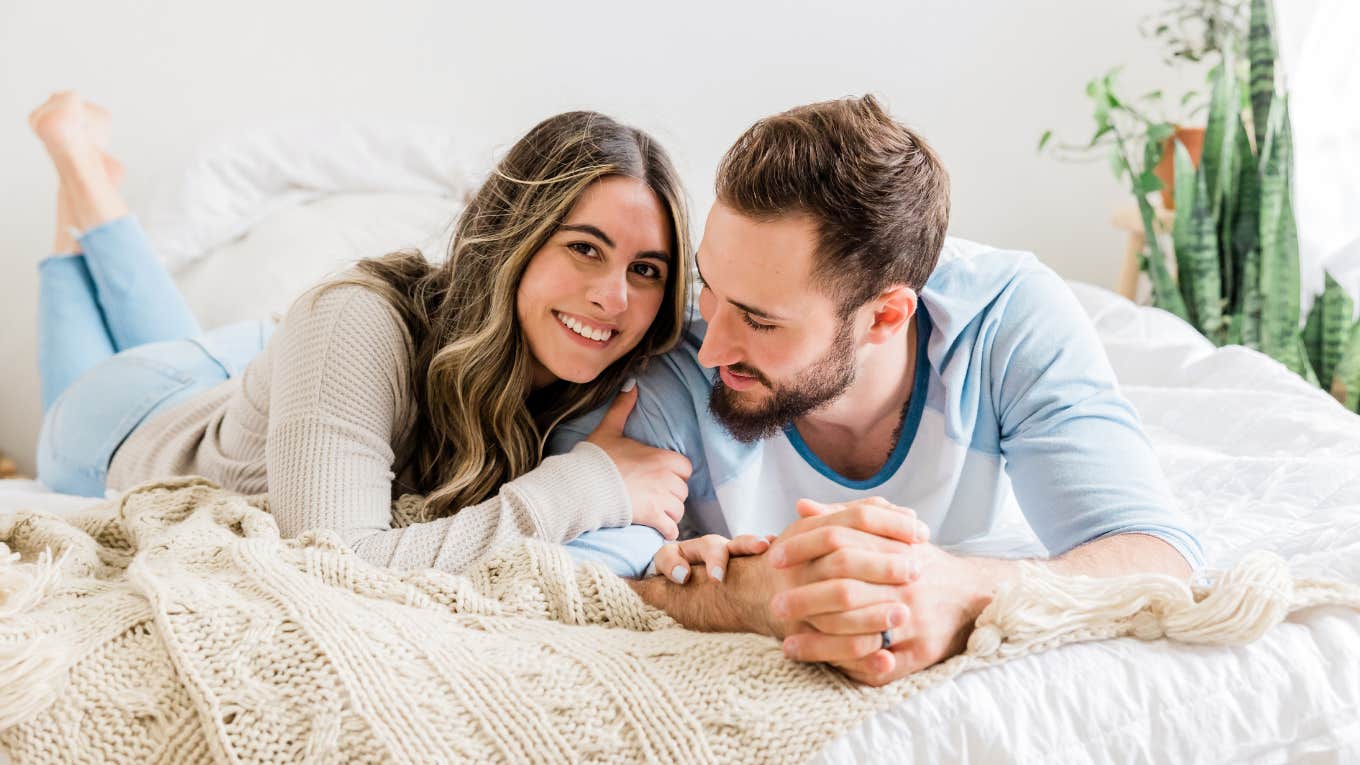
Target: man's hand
{"x": 846, "y": 573}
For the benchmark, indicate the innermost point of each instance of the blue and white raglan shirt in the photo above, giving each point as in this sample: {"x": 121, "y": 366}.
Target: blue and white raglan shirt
{"x": 1014, "y": 401}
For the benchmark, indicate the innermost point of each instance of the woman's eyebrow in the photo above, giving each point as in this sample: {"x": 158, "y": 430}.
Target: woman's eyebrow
{"x": 595, "y": 231}
{"x": 588, "y": 229}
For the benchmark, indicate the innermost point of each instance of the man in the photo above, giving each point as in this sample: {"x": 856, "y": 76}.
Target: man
{"x": 849, "y": 354}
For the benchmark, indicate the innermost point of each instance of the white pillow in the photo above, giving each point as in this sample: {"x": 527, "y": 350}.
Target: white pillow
{"x": 231, "y": 186}
{"x": 290, "y": 249}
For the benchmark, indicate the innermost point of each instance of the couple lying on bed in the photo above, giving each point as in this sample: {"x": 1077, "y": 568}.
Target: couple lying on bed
{"x": 856, "y": 395}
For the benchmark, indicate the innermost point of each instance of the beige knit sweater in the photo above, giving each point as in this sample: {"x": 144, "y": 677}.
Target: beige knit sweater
{"x": 314, "y": 421}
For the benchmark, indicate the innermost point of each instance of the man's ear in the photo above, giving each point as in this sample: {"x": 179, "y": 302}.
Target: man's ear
{"x": 892, "y": 312}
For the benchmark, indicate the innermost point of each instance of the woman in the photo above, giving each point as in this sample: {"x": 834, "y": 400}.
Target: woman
{"x": 567, "y": 269}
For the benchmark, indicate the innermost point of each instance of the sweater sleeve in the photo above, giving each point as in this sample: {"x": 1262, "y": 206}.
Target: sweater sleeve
{"x": 338, "y": 402}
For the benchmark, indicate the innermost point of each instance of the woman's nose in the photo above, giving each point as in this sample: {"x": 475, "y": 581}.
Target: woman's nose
{"x": 610, "y": 293}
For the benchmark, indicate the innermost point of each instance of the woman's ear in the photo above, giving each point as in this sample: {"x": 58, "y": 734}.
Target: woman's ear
{"x": 892, "y": 312}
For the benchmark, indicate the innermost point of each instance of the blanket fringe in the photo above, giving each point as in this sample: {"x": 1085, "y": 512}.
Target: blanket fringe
{"x": 1233, "y": 607}
{"x": 33, "y": 668}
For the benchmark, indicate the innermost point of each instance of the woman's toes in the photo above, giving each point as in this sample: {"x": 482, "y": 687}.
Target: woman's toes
{"x": 61, "y": 120}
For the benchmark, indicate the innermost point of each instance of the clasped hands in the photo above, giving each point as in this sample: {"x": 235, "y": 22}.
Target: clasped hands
{"x": 840, "y": 580}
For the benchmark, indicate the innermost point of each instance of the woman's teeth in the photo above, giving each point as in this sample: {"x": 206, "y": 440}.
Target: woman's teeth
{"x": 598, "y": 335}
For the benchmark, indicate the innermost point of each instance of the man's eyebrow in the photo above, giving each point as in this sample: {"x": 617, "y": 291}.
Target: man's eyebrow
{"x": 664, "y": 257}
{"x": 749, "y": 309}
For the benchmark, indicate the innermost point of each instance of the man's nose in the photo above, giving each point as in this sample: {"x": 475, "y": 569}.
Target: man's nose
{"x": 610, "y": 292}
{"x": 718, "y": 348}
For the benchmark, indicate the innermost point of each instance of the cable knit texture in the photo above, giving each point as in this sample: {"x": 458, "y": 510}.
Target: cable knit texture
{"x": 313, "y": 421}
{"x": 175, "y": 625}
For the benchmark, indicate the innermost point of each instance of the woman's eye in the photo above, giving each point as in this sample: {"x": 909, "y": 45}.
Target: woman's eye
{"x": 647, "y": 270}
{"x": 582, "y": 248}
{"x": 753, "y": 324}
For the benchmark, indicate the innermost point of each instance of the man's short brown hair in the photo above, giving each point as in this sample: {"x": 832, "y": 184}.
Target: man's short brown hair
{"x": 877, "y": 191}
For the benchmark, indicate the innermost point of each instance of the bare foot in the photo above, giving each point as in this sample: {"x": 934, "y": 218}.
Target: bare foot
{"x": 76, "y": 134}
{"x": 70, "y": 127}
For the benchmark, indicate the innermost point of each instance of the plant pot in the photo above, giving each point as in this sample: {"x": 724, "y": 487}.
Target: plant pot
{"x": 1193, "y": 138}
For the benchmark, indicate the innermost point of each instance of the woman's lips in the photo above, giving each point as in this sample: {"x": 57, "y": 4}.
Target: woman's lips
{"x": 578, "y": 337}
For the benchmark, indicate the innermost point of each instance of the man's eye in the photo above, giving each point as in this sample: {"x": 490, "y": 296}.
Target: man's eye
{"x": 753, "y": 324}
{"x": 583, "y": 248}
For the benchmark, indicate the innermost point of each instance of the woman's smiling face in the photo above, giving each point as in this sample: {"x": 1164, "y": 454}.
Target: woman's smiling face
{"x": 589, "y": 295}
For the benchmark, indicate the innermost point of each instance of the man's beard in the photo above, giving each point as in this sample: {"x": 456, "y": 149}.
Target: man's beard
{"x": 817, "y": 385}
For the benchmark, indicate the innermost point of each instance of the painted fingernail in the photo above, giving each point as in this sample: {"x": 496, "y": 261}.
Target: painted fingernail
{"x": 914, "y": 568}
{"x": 790, "y": 647}
{"x": 716, "y": 572}
{"x": 777, "y": 556}
{"x": 628, "y": 385}
{"x": 679, "y": 574}
{"x": 779, "y": 606}
{"x": 898, "y": 617}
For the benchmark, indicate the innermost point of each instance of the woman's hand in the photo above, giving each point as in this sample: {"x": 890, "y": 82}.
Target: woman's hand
{"x": 657, "y": 479}
{"x": 712, "y": 551}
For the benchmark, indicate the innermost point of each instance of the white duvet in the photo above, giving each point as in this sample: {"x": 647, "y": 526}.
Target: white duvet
{"x": 1259, "y": 460}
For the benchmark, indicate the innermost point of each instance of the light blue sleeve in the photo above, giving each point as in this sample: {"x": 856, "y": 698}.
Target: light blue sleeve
{"x": 664, "y": 417}
{"x": 1074, "y": 448}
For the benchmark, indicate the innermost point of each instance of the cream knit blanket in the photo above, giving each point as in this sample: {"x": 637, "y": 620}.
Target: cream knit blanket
{"x": 173, "y": 625}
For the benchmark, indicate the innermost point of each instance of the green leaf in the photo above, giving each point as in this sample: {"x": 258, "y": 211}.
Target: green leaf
{"x": 1312, "y": 336}
{"x": 1216, "y": 159}
{"x": 1345, "y": 382}
{"x": 1246, "y": 221}
{"x": 1044, "y": 139}
{"x": 1184, "y": 194}
{"x": 1147, "y": 183}
{"x": 1152, "y": 156}
{"x": 1197, "y": 258}
{"x": 1261, "y": 51}
{"x": 1334, "y": 316}
{"x": 1278, "y": 241}
{"x": 1160, "y": 131}
{"x": 1165, "y": 295}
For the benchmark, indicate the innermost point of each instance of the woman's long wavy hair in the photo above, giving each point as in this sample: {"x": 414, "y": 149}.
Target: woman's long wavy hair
{"x": 478, "y": 422}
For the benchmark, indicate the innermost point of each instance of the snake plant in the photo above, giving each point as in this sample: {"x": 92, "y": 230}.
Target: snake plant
{"x": 1234, "y": 238}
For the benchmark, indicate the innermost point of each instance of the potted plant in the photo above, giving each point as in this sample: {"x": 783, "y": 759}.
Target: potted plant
{"x": 1234, "y": 237}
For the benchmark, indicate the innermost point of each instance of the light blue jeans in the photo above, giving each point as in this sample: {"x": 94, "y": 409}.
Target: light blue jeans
{"x": 116, "y": 344}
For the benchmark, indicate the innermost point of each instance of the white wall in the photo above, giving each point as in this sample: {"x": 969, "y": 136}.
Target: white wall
{"x": 982, "y": 79}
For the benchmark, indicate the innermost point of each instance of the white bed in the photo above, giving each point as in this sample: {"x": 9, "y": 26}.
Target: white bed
{"x": 1259, "y": 459}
